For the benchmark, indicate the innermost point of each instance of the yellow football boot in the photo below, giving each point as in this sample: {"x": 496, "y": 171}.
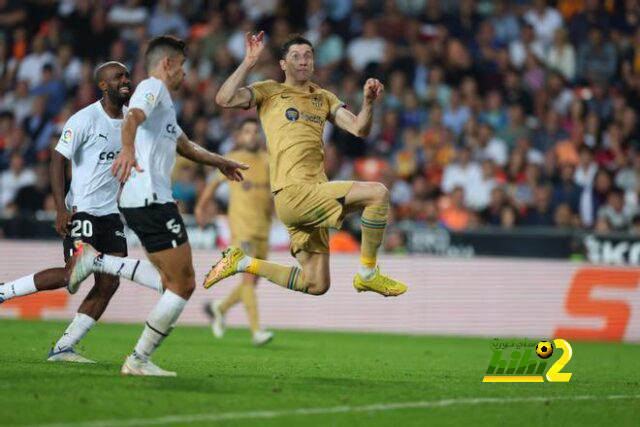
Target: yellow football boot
{"x": 384, "y": 285}
{"x": 227, "y": 266}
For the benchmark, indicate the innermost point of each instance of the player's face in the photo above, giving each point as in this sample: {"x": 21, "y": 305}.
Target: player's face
{"x": 249, "y": 136}
{"x": 299, "y": 62}
{"x": 175, "y": 72}
{"x": 118, "y": 84}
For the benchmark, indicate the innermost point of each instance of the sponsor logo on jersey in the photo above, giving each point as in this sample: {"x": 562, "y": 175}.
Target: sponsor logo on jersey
{"x": 292, "y": 114}
{"x": 149, "y": 98}
{"x": 171, "y": 129}
{"x": 313, "y": 118}
{"x": 107, "y": 157}
{"x": 67, "y": 135}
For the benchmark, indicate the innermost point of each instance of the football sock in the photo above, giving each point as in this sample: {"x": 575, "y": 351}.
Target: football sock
{"x": 232, "y": 299}
{"x": 250, "y": 304}
{"x": 374, "y": 221}
{"x": 78, "y": 328}
{"x": 159, "y": 324}
{"x": 17, "y": 288}
{"x": 288, "y": 277}
{"x": 139, "y": 271}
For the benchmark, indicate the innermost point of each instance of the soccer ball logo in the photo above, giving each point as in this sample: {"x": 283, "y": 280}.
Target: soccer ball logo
{"x": 544, "y": 349}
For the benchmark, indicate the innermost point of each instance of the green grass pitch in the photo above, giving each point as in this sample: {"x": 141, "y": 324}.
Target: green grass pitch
{"x": 303, "y": 378}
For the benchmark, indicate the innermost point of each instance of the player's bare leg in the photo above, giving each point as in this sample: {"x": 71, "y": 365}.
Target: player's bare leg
{"x": 373, "y": 199}
{"x": 45, "y": 280}
{"x": 176, "y": 269}
{"x": 91, "y": 309}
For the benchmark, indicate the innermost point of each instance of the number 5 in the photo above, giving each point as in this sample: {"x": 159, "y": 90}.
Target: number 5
{"x": 173, "y": 227}
{"x": 554, "y": 374}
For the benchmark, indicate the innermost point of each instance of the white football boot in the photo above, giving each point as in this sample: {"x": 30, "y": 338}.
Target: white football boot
{"x": 67, "y": 355}
{"x": 216, "y": 317}
{"x": 80, "y": 265}
{"x": 135, "y": 366}
{"x": 262, "y": 337}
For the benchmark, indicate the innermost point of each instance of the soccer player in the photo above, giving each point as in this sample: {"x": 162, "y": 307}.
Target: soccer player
{"x": 150, "y": 139}
{"x": 293, "y": 114}
{"x": 91, "y": 140}
{"x": 250, "y": 211}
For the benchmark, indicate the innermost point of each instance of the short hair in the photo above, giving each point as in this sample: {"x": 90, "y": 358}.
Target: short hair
{"x": 248, "y": 120}
{"x": 291, "y": 40}
{"x": 97, "y": 73}
{"x": 162, "y": 46}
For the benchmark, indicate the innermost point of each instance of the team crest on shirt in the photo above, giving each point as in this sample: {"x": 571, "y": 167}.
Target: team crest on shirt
{"x": 316, "y": 101}
{"x": 67, "y": 136}
{"x": 292, "y": 114}
{"x": 149, "y": 98}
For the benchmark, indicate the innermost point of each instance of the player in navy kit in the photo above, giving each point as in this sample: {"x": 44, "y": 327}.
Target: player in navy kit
{"x": 91, "y": 140}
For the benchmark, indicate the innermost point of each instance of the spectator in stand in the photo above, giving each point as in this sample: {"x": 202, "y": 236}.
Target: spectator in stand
{"x": 541, "y": 212}
{"x": 30, "y": 69}
{"x": 464, "y": 170}
{"x": 52, "y": 88}
{"x": 614, "y": 213}
{"x": 15, "y": 178}
{"x": 566, "y": 191}
{"x": 516, "y": 127}
{"x": 597, "y": 57}
{"x": 545, "y": 21}
{"x": 367, "y": 49}
{"x": 39, "y": 127}
{"x": 587, "y": 168}
{"x": 166, "y": 20}
{"x": 454, "y": 215}
{"x": 561, "y": 56}
{"x": 527, "y": 44}
{"x": 595, "y": 196}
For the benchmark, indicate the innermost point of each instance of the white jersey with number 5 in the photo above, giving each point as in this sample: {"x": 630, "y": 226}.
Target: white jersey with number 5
{"x": 92, "y": 140}
{"x": 156, "y": 140}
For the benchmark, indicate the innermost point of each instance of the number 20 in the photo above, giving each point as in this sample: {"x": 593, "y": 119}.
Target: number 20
{"x": 82, "y": 228}
{"x": 554, "y": 374}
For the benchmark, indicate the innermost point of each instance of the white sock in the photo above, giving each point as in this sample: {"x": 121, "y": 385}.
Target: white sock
{"x": 17, "y": 288}
{"x": 244, "y": 262}
{"x": 159, "y": 324}
{"x": 139, "y": 271}
{"x": 366, "y": 272}
{"x": 78, "y": 328}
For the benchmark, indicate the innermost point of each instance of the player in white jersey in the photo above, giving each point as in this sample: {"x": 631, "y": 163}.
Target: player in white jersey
{"x": 91, "y": 140}
{"x": 150, "y": 139}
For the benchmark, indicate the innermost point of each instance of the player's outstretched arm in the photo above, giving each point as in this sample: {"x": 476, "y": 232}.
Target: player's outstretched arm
{"x": 126, "y": 160}
{"x": 232, "y": 94}
{"x": 192, "y": 151}
{"x": 360, "y": 125}
{"x": 63, "y": 217}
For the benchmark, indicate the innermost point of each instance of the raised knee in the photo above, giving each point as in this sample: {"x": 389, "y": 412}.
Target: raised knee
{"x": 381, "y": 193}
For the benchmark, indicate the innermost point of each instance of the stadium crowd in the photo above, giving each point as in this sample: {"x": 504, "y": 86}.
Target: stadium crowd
{"x": 504, "y": 113}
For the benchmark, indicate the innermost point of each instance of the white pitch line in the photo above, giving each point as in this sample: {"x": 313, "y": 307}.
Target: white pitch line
{"x": 379, "y": 407}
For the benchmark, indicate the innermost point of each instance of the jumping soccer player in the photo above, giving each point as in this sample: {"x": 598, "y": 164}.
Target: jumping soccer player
{"x": 293, "y": 114}
{"x": 150, "y": 139}
{"x": 91, "y": 140}
{"x": 250, "y": 211}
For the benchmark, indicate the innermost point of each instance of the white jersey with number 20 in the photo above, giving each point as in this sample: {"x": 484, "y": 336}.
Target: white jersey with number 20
{"x": 92, "y": 140}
